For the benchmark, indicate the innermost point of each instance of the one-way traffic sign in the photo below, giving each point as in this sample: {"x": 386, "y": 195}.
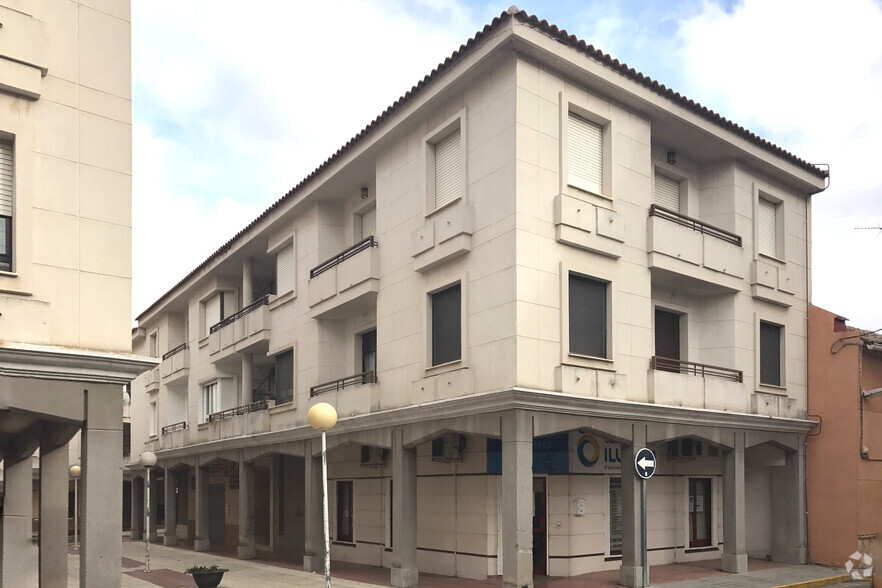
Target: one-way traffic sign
{"x": 644, "y": 462}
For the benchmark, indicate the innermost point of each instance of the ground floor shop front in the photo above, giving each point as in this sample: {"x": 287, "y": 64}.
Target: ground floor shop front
{"x": 541, "y": 485}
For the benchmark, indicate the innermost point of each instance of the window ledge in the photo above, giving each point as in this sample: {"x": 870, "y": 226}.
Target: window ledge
{"x": 578, "y": 192}
{"x": 282, "y": 299}
{"x": 203, "y": 342}
{"x": 442, "y": 368}
{"x": 153, "y": 437}
{"x": 772, "y": 258}
{"x": 6, "y": 274}
{"x": 344, "y": 543}
{"x": 772, "y": 389}
{"x": 444, "y": 207}
{"x": 589, "y": 361}
{"x": 286, "y": 407}
{"x": 202, "y": 426}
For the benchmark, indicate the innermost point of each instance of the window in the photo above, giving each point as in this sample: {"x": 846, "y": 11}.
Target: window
{"x": 6, "y": 183}
{"x": 584, "y": 154}
{"x": 127, "y": 439}
{"x": 767, "y": 227}
{"x": 152, "y": 416}
{"x": 446, "y": 327}
{"x": 770, "y": 354}
{"x": 285, "y": 275}
{"x": 587, "y": 316}
{"x": 210, "y": 400}
{"x": 344, "y": 511}
{"x": 214, "y": 311}
{"x": 667, "y": 338}
{"x": 153, "y": 344}
{"x": 615, "y": 516}
{"x": 448, "y": 169}
{"x": 700, "y": 512}
{"x": 667, "y": 192}
{"x": 369, "y": 223}
{"x": 369, "y": 351}
{"x": 285, "y": 377}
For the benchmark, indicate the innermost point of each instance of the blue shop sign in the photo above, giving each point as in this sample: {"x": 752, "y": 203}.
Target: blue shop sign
{"x": 550, "y": 455}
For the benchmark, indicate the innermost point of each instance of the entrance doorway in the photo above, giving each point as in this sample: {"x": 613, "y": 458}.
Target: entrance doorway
{"x": 699, "y": 512}
{"x": 540, "y": 528}
{"x": 216, "y": 514}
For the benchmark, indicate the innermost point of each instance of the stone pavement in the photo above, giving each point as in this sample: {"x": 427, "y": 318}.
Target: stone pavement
{"x": 168, "y": 563}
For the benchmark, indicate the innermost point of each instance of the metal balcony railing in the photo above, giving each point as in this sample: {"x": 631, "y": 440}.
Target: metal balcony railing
{"x": 356, "y": 380}
{"x": 234, "y": 317}
{"x": 174, "y": 351}
{"x": 694, "y": 224}
{"x": 174, "y": 427}
{"x": 365, "y": 243}
{"x": 667, "y": 364}
{"x": 255, "y": 406}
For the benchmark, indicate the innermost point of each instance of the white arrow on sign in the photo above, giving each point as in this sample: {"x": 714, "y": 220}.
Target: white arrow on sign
{"x": 644, "y": 463}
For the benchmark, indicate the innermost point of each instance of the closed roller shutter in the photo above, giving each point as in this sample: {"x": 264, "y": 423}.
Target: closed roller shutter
{"x": 369, "y": 224}
{"x": 213, "y": 311}
{"x": 285, "y": 279}
{"x": 667, "y": 192}
{"x": 767, "y": 240}
{"x": 448, "y": 169}
{"x": 587, "y": 316}
{"x": 5, "y": 178}
{"x": 585, "y": 154}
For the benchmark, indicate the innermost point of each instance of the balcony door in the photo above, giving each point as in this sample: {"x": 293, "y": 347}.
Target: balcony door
{"x": 667, "y": 337}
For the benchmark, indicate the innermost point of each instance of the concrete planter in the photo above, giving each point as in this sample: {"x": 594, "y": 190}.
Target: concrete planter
{"x": 208, "y": 579}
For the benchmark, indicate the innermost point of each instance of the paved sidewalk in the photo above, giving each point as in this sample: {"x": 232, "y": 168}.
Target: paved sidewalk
{"x": 168, "y": 563}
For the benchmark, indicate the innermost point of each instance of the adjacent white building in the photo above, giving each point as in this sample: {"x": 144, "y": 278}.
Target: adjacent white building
{"x": 534, "y": 263}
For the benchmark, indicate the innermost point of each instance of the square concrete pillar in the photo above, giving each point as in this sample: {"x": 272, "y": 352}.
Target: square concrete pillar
{"x": 201, "y": 541}
{"x": 734, "y": 527}
{"x": 137, "y": 514}
{"x": 788, "y": 508}
{"x": 631, "y": 569}
{"x": 53, "y": 514}
{"x": 154, "y": 489}
{"x": 314, "y": 536}
{"x": 247, "y": 547}
{"x": 18, "y": 554}
{"x": 171, "y": 508}
{"x": 101, "y": 548}
{"x": 405, "y": 571}
{"x": 517, "y": 499}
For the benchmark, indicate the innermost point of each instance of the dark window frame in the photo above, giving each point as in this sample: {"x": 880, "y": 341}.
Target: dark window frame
{"x": 6, "y": 251}
{"x": 284, "y": 394}
{"x": 771, "y": 347}
{"x": 345, "y": 521}
{"x": 583, "y": 327}
{"x": 368, "y": 348}
{"x": 446, "y": 332}
{"x": 707, "y": 509}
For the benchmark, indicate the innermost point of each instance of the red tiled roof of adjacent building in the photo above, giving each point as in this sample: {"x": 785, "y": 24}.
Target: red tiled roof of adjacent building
{"x": 558, "y": 34}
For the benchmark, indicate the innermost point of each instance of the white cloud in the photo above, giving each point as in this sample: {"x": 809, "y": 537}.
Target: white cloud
{"x": 235, "y": 106}
{"x": 807, "y": 75}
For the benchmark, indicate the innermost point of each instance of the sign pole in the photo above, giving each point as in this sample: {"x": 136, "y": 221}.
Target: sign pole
{"x": 643, "y": 530}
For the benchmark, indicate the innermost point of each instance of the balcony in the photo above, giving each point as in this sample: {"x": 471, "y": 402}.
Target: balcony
{"x": 346, "y": 284}
{"x": 358, "y": 393}
{"x": 681, "y": 246}
{"x": 239, "y": 421}
{"x": 246, "y": 331}
{"x": 677, "y": 382}
{"x": 151, "y": 380}
{"x": 174, "y": 427}
{"x": 175, "y": 366}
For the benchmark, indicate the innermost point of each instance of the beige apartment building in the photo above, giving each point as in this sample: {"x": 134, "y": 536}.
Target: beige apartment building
{"x": 65, "y": 282}
{"x": 531, "y": 265}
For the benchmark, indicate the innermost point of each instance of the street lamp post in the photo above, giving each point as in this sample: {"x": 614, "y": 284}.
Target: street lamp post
{"x": 75, "y": 472}
{"x": 148, "y": 460}
{"x": 322, "y": 417}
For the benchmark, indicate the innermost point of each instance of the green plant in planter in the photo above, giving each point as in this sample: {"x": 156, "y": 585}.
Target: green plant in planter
{"x": 206, "y": 576}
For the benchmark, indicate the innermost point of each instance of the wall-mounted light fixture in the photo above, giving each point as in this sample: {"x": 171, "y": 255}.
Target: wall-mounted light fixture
{"x": 672, "y": 157}
{"x": 364, "y": 192}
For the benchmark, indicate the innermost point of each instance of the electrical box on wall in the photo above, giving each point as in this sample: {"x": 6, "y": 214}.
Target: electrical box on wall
{"x": 579, "y": 507}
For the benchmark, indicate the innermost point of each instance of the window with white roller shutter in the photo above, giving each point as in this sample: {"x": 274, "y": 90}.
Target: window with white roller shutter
{"x": 767, "y": 227}
{"x": 584, "y": 154}
{"x": 6, "y": 205}
{"x": 214, "y": 311}
{"x": 369, "y": 223}
{"x": 285, "y": 274}
{"x": 448, "y": 169}
{"x": 667, "y": 192}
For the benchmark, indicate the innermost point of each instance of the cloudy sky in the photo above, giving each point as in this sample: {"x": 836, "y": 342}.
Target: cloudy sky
{"x": 233, "y": 107}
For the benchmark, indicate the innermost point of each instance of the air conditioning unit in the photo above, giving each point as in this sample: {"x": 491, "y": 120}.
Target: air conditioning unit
{"x": 448, "y": 447}
{"x": 373, "y": 457}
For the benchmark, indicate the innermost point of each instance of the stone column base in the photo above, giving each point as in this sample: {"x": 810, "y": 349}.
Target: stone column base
{"x": 246, "y": 552}
{"x": 201, "y": 545}
{"x": 631, "y": 576}
{"x": 735, "y": 564}
{"x": 170, "y": 540}
{"x": 314, "y": 563}
{"x": 405, "y": 577}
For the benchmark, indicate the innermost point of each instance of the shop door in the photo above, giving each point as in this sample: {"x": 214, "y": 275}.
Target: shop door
{"x": 699, "y": 512}
{"x": 540, "y": 528}
{"x": 216, "y": 514}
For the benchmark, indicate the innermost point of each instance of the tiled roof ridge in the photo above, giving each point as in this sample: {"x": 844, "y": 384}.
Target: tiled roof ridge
{"x": 544, "y": 26}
